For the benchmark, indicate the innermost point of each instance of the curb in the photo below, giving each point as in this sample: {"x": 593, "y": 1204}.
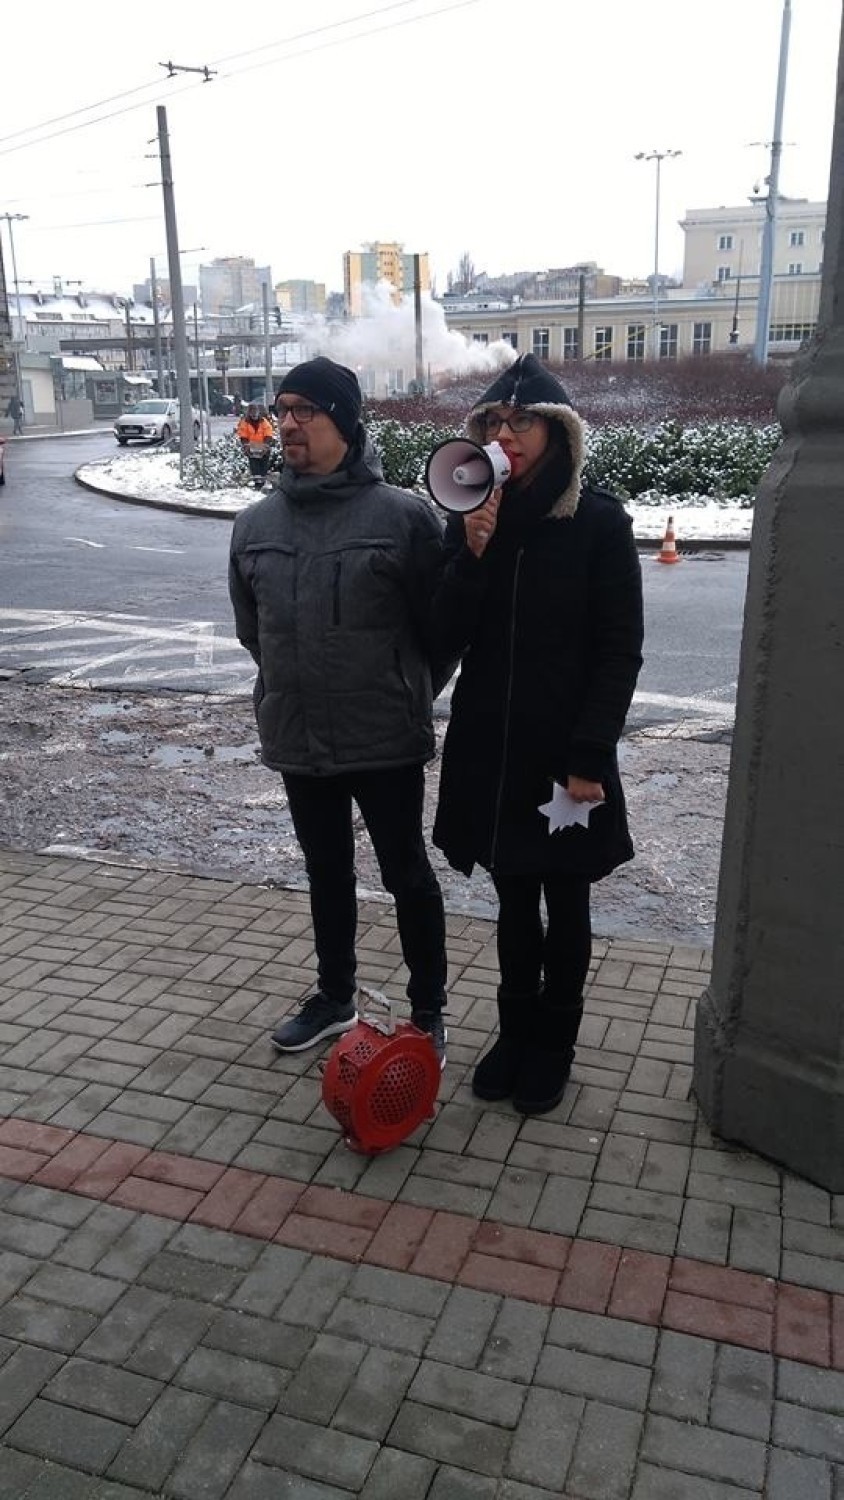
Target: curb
{"x": 221, "y": 512}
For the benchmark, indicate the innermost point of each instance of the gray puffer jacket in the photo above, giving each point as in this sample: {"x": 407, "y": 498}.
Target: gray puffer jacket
{"x": 331, "y": 578}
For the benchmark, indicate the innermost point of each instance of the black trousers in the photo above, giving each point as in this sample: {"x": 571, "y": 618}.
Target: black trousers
{"x": 258, "y": 464}
{"x": 390, "y": 803}
{"x": 554, "y": 954}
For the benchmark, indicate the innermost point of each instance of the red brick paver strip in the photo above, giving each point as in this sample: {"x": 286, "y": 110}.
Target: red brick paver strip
{"x": 803, "y": 1325}
{"x": 588, "y": 1278}
{"x": 688, "y": 1296}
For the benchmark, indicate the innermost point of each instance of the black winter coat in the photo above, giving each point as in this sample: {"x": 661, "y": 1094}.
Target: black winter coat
{"x": 549, "y": 624}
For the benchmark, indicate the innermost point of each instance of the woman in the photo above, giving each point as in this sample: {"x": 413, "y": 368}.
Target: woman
{"x": 542, "y": 599}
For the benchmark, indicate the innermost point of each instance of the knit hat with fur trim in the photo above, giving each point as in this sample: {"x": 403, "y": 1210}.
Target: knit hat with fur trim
{"x": 527, "y": 384}
{"x": 333, "y": 388}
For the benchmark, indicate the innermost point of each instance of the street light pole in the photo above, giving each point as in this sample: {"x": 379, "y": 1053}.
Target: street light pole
{"x": 10, "y": 218}
{"x": 659, "y": 157}
{"x": 766, "y": 267}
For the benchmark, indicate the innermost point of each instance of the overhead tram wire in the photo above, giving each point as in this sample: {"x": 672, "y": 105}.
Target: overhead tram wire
{"x": 7, "y": 149}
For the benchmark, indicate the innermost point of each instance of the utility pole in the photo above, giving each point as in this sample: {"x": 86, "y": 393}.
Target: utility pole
{"x": 130, "y": 348}
{"x": 10, "y": 219}
{"x": 177, "y": 301}
{"x": 156, "y": 323}
{"x": 766, "y": 268}
{"x": 199, "y": 392}
{"x": 581, "y": 315}
{"x": 659, "y": 157}
{"x": 417, "y": 315}
{"x": 268, "y": 349}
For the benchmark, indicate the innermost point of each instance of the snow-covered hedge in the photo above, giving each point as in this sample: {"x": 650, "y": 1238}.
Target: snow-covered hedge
{"x": 721, "y": 460}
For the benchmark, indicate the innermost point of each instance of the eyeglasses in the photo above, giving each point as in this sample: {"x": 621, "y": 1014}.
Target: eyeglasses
{"x": 518, "y": 421}
{"x": 301, "y": 412}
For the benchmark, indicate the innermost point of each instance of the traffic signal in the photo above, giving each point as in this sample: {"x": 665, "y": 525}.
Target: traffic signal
{"x": 277, "y": 311}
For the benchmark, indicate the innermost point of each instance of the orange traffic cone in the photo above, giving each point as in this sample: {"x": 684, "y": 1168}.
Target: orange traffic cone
{"x": 669, "y": 553}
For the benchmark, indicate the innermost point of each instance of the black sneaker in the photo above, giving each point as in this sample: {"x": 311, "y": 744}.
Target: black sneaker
{"x": 318, "y": 1018}
{"x": 432, "y": 1022}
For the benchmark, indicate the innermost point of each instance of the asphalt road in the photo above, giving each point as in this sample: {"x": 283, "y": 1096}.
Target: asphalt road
{"x": 95, "y": 591}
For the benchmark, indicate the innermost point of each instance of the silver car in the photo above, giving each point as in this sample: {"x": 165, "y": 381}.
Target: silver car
{"x": 152, "y": 421}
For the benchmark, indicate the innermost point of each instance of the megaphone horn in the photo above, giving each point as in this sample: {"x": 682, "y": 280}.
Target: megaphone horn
{"x": 460, "y": 475}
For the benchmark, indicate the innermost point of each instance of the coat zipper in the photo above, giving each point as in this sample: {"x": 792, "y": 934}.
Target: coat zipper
{"x": 336, "y": 592}
{"x": 507, "y": 702}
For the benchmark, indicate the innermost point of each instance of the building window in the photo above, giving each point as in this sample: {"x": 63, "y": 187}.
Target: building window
{"x": 541, "y": 342}
{"x": 797, "y": 237}
{"x": 725, "y": 242}
{"x": 635, "y": 340}
{"x": 723, "y": 273}
{"x": 795, "y": 268}
{"x": 571, "y": 344}
{"x": 702, "y": 338}
{"x": 790, "y": 333}
{"x": 511, "y": 338}
{"x": 480, "y": 338}
{"x": 603, "y": 343}
{"x": 668, "y": 341}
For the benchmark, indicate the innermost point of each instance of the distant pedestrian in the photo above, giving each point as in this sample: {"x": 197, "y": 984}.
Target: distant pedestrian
{"x": 14, "y": 409}
{"x": 255, "y": 431}
{"x": 237, "y": 404}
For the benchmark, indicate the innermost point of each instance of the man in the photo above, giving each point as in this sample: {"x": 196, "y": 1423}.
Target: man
{"x": 331, "y": 578}
{"x": 14, "y": 409}
{"x": 255, "y": 431}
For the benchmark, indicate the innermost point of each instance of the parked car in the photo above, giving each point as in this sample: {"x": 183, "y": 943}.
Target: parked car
{"x": 220, "y": 405}
{"x": 152, "y": 421}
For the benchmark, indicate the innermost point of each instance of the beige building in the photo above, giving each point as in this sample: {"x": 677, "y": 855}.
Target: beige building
{"x": 381, "y": 261}
{"x": 714, "y": 309}
{"x": 230, "y": 282}
{"x": 299, "y": 296}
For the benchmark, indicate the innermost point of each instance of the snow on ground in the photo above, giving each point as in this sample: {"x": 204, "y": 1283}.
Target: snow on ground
{"x": 155, "y": 477}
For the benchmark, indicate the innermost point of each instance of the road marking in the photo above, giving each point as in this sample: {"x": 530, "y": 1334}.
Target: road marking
{"x": 84, "y": 542}
{"x": 700, "y": 704}
{"x": 114, "y": 648}
{"x": 174, "y": 551}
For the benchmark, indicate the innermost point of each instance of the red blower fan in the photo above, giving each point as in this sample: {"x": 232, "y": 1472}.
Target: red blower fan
{"x": 380, "y": 1080}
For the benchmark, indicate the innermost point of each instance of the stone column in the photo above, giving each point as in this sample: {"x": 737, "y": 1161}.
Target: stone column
{"x": 769, "y": 1036}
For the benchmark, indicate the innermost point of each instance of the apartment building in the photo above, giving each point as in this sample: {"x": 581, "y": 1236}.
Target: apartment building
{"x": 377, "y": 262}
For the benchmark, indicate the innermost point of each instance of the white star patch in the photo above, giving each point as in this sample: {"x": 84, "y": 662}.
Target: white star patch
{"x": 563, "y": 812}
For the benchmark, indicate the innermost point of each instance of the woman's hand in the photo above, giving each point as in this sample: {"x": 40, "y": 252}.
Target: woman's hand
{"x": 584, "y": 791}
{"x": 480, "y": 524}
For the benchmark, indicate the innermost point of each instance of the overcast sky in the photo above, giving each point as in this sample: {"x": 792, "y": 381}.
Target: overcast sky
{"x": 502, "y": 128}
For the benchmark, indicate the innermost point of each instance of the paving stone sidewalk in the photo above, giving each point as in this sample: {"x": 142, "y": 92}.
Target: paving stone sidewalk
{"x": 205, "y": 1294}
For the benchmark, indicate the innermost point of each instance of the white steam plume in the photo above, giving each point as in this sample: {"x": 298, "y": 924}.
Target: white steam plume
{"x": 382, "y": 343}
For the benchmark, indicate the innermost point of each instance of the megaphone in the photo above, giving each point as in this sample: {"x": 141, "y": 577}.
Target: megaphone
{"x": 460, "y": 475}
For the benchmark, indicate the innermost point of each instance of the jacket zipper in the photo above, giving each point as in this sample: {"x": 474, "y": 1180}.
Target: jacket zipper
{"x": 336, "y": 592}
{"x": 507, "y": 702}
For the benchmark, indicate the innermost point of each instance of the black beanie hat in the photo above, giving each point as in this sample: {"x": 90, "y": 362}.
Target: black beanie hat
{"x": 331, "y": 387}
{"x": 526, "y": 383}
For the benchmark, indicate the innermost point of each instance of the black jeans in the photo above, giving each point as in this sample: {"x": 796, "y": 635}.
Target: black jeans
{"x": 553, "y": 955}
{"x": 259, "y": 463}
{"x": 390, "y": 803}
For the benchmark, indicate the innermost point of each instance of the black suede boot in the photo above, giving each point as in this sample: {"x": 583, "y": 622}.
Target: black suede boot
{"x": 496, "y": 1073}
{"x": 547, "y": 1057}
